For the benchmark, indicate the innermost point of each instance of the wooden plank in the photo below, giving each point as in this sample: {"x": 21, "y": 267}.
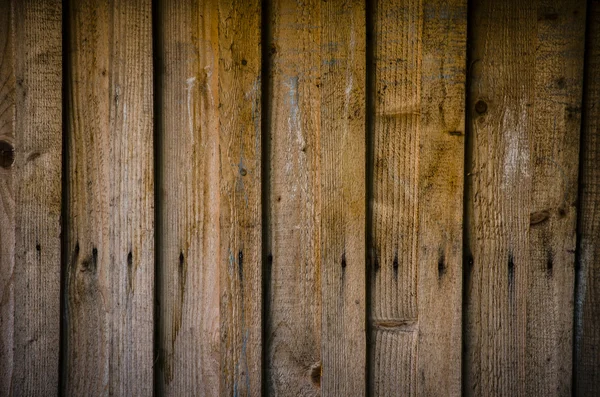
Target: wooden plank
{"x": 294, "y": 293}
{"x": 7, "y": 197}
{"x": 342, "y": 197}
{"x": 110, "y": 200}
{"x": 416, "y": 258}
{"x": 587, "y": 298}
{"x": 240, "y": 210}
{"x": 30, "y": 196}
{"x": 524, "y": 102}
{"x": 188, "y": 197}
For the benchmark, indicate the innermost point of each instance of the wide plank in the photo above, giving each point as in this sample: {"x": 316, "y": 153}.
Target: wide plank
{"x": 524, "y": 112}
{"x": 587, "y": 296}
{"x": 30, "y": 196}
{"x": 342, "y": 151}
{"x": 109, "y": 279}
{"x": 187, "y": 149}
{"x": 293, "y": 328}
{"x": 240, "y": 144}
{"x": 416, "y": 211}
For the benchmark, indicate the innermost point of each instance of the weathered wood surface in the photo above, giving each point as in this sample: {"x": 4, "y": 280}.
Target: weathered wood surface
{"x": 293, "y": 330}
{"x": 240, "y": 261}
{"x": 587, "y": 298}
{"x": 30, "y": 196}
{"x": 416, "y": 228}
{"x": 109, "y": 275}
{"x": 524, "y": 113}
{"x": 187, "y": 143}
{"x": 313, "y": 152}
{"x": 342, "y": 151}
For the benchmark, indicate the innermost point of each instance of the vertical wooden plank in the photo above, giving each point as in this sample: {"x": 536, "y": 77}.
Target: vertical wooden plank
{"x": 587, "y": 298}
{"x": 30, "y": 196}
{"x": 440, "y": 207}
{"x": 188, "y": 197}
{"x": 293, "y": 333}
{"x": 342, "y": 197}
{"x": 524, "y": 106}
{"x": 418, "y": 128}
{"x": 110, "y": 200}
{"x": 240, "y": 209}
{"x": 7, "y": 196}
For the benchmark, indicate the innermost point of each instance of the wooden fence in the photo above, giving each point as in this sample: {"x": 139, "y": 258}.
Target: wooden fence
{"x": 296, "y": 198}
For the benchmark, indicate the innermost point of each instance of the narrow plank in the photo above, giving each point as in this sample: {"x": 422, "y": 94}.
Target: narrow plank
{"x": 188, "y": 197}
{"x": 293, "y": 333}
{"x": 416, "y": 258}
{"x": 587, "y": 298}
{"x": 524, "y": 106}
{"x": 30, "y": 196}
{"x": 343, "y": 198}
{"x": 240, "y": 203}
{"x": 7, "y": 196}
{"x": 110, "y": 200}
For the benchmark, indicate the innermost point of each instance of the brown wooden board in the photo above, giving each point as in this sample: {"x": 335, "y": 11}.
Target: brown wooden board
{"x": 240, "y": 262}
{"x": 187, "y": 118}
{"x": 293, "y": 334}
{"x": 110, "y": 200}
{"x": 342, "y": 151}
{"x": 587, "y": 298}
{"x": 524, "y": 119}
{"x": 30, "y": 196}
{"x": 416, "y": 228}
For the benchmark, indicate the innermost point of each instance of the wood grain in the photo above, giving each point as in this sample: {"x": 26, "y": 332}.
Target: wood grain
{"x": 524, "y": 101}
{"x": 293, "y": 334}
{"x": 30, "y": 196}
{"x": 240, "y": 263}
{"x": 587, "y": 297}
{"x": 342, "y": 148}
{"x": 110, "y": 200}
{"x": 416, "y": 229}
{"x": 188, "y": 197}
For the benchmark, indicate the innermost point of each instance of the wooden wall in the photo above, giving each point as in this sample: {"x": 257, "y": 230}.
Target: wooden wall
{"x": 299, "y": 197}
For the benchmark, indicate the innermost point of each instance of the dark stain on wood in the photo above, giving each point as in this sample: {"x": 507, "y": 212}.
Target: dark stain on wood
{"x": 315, "y": 374}
{"x": 7, "y": 154}
{"x": 441, "y": 264}
{"x": 549, "y": 263}
{"x": 130, "y": 271}
{"x": 511, "y": 270}
{"x": 395, "y": 266}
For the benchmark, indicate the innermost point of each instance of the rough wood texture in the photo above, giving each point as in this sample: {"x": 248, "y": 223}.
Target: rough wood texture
{"x": 110, "y": 200}
{"x": 293, "y": 333}
{"x": 524, "y": 112}
{"x": 188, "y": 197}
{"x": 587, "y": 299}
{"x": 342, "y": 197}
{"x": 30, "y": 196}
{"x": 240, "y": 262}
{"x": 416, "y": 258}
